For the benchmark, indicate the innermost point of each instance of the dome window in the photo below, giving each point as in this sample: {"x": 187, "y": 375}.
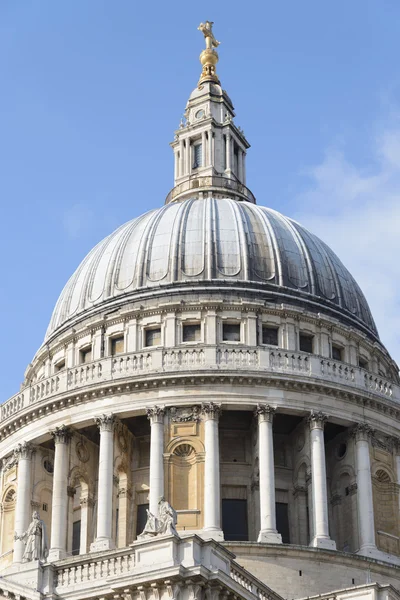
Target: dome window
{"x": 191, "y": 333}
{"x": 197, "y": 155}
{"x": 59, "y": 366}
{"x": 231, "y": 332}
{"x": 153, "y": 337}
{"x": 306, "y": 342}
{"x": 337, "y": 352}
{"x": 117, "y": 345}
{"x": 270, "y": 335}
{"x": 85, "y": 355}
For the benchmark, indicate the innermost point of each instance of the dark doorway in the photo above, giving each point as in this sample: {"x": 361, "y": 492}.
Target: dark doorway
{"x": 282, "y": 521}
{"x": 234, "y": 520}
{"x": 141, "y": 518}
{"x": 76, "y": 537}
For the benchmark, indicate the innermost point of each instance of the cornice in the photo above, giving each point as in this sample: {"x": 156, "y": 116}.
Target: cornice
{"x": 140, "y": 383}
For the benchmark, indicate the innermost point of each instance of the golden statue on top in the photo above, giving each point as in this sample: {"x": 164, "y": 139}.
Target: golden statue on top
{"x": 206, "y": 29}
{"x": 209, "y": 56}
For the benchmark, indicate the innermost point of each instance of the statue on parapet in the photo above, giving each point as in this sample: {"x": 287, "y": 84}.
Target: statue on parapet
{"x": 163, "y": 524}
{"x": 36, "y": 547}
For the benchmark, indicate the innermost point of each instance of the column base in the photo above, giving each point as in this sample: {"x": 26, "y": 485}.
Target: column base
{"x": 102, "y": 544}
{"x": 212, "y": 534}
{"x": 56, "y": 554}
{"x": 269, "y": 537}
{"x": 323, "y": 543}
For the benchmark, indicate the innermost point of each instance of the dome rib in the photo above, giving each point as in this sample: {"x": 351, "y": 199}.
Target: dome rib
{"x": 212, "y": 241}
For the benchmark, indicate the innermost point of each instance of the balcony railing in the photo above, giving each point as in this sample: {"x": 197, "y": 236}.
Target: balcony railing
{"x": 222, "y": 359}
{"x": 211, "y": 182}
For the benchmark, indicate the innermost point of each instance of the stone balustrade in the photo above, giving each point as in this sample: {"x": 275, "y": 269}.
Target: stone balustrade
{"x": 80, "y": 571}
{"x": 205, "y": 358}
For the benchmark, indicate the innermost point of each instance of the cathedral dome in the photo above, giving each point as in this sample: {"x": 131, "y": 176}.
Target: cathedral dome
{"x": 213, "y": 243}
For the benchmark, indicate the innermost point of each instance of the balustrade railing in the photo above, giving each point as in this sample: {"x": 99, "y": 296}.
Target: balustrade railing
{"x": 83, "y": 569}
{"x": 223, "y": 358}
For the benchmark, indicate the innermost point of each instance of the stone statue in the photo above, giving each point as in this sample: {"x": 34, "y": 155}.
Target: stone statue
{"x": 36, "y": 540}
{"x": 164, "y": 524}
{"x": 206, "y": 30}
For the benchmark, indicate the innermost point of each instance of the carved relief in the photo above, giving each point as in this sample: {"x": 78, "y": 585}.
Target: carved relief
{"x": 82, "y": 451}
{"x": 184, "y": 415}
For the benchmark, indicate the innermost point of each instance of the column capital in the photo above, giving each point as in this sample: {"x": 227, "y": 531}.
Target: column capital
{"x": 211, "y": 411}
{"x": 155, "y": 414}
{"x": 61, "y": 435}
{"x": 362, "y": 432}
{"x": 23, "y": 451}
{"x": 105, "y": 422}
{"x": 316, "y": 420}
{"x": 264, "y": 412}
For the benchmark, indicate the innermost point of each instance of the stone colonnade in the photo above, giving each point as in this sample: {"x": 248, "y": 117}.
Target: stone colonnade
{"x": 212, "y": 512}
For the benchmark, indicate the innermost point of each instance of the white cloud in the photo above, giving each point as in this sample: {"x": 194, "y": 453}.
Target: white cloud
{"x": 356, "y": 211}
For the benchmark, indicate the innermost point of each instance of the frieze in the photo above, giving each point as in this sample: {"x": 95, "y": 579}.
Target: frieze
{"x": 185, "y": 414}
{"x": 362, "y": 398}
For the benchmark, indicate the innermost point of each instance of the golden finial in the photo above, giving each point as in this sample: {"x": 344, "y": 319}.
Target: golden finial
{"x": 209, "y": 56}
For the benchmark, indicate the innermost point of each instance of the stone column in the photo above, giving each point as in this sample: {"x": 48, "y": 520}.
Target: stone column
{"x": 310, "y": 506}
{"x": 22, "y": 453}
{"x": 228, "y": 148}
{"x": 366, "y": 526}
{"x": 321, "y": 537}
{"x": 59, "y": 516}
{"x": 181, "y": 158}
{"x": 104, "y": 540}
{"x": 240, "y": 165}
{"x": 212, "y": 493}
{"x": 268, "y": 532}
{"x": 176, "y": 164}
{"x": 188, "y": 157}
{"x": 244, "y": 167}
{"x": 124, "y": 502}
{"x": 86, "y": 523}
{"x": 156, "y": 418}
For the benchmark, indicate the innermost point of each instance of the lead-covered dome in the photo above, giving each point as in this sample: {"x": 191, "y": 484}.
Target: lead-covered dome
{"x": 213, "y": 243}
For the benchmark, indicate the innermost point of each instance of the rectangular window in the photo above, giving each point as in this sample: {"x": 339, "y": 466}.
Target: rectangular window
{"x": 306, "y": 342}
{"x": 153, "y": 337}
{"x": 197, "y": 155}
{"x": 282, "y": 521}
{"x": 231, "y": 332}
{"x": 59, "y": 366}
{"x": 76, "y": 537}
{"x": 191, "y": 333}
{"x": 234, "y": 520}
{"x": 337, "y": 352}
{"x": 141, "y": 518}
{"x": 85, "y": 355}
{"x": 117, "y": 345}
{"x": 362, "y": 362}
{"x": 270, "y": 335}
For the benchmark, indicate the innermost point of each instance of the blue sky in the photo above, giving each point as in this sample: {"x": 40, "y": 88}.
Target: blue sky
{"x": 93, "y": 90}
